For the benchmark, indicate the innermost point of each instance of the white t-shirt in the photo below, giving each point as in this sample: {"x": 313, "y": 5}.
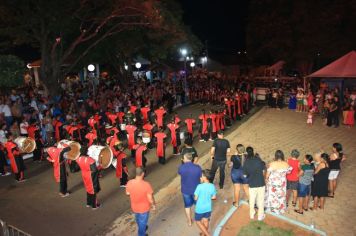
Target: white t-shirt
{"x": 6, "y": 110}
{"x": 23, "y": 127}
{"x": 3, "y": 139}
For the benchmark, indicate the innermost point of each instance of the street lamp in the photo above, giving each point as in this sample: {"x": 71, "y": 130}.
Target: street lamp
{"x": 91, "y": 68}
{"x": 184, "y": 52}
{"x": 192, "y": 64}
{"x": 138, "y": 65}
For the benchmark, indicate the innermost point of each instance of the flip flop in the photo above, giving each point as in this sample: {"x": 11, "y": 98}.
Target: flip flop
{"x": 299, "y": 212}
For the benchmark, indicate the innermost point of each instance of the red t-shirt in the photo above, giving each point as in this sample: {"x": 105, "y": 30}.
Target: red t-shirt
{"x": 190, "y": 123}
{"x": 293, "y": 175}
{"x": 138, "y": 190}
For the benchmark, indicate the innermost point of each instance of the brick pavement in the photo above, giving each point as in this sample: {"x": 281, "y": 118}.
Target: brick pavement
{"x": 268, "y": 131}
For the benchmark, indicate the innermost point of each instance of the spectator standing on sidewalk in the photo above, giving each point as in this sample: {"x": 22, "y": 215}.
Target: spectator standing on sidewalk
{"x": 204, "y": 193}
{"x": 188, "y": 148}
{"x": 141, "y": 196}
{"x": 219, "y": 151}
{"x": 190, "y": 174}
{"x": 254, "y": 169}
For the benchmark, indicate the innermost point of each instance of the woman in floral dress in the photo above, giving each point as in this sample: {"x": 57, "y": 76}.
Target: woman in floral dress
{"x": 276, "y": 187}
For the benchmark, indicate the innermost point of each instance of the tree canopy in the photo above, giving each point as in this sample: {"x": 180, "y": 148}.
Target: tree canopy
{"x": 11, "y": 72}
{"x": 67, "y": 31}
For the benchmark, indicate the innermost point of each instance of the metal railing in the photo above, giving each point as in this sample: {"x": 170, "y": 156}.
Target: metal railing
{"x": 10, "y": 230}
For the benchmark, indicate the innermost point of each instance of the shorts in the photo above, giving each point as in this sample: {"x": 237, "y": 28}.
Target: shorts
{"x": 199, "y": 217}
{"x": 303, "y": 190}
{"x": 333, "y": 174}
{"x": 188, "y": 200}
{"x": 292, "y": 185}
{"x": 237, "y": 176}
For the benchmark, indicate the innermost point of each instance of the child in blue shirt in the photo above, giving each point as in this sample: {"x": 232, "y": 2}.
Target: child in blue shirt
{"x": 203, "y": 195}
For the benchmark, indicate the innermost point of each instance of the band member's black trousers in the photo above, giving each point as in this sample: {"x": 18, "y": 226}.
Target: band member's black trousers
{"x": 3, "y": 162}
{"x": 91, "y": 200}
{"x": 124, "y": 178}
{"x": 63, "y": 181}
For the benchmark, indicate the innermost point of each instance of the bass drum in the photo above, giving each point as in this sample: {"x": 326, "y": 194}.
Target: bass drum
{"x": 114, "y": 163}
{"x": 101, "y": 154}
{"x": 25, "y": 144}
{"x": 75, "y": 147}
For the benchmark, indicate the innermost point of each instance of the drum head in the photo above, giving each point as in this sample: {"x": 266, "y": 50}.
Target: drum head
{"x": 74, "y": 153}
{"x": 29, "y": 145}
{"x": 105, "y": 157}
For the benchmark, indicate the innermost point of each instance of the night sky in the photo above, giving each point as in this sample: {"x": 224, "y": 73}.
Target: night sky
{"x": 222, "y": 23}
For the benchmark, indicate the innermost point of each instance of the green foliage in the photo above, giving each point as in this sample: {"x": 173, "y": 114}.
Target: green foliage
{"x": 257, "y": 228}
{"x": 11, "y": 71}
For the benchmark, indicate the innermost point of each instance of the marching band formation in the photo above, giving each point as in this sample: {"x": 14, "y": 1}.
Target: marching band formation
{"x": 101, "y": 142}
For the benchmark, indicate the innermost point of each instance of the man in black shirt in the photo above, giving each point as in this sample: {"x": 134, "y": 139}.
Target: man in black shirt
{"x": 254, "y": 169}
{"x": 218, "y": 153}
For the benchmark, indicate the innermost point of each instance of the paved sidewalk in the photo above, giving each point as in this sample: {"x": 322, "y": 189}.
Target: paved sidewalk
{"x": 267, "y": 131}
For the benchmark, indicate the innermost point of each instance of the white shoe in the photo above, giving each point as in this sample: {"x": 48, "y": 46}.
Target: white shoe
{"x": 6, "y": 174}
{"x": 262, "y": 217}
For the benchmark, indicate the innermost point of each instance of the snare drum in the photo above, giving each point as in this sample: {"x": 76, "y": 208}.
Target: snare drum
{"x": 146, "y": 137}
{"x": 123, "y": 127}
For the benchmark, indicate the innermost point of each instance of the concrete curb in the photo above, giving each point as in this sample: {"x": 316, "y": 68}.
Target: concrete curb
{"x": 227, "y": 216}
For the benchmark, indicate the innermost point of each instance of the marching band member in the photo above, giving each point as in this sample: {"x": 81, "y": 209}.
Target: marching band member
{"x": 91, "y": 136}
{"x": 34, "y": 133}
{"x": 131, "y": 129}
{"x": 140, "y": 159}
{"x": 16, "y": 160}
{"x": 57, "y": 124}
{"x": 111, "y": 117}
{"x": 122, "y": 171}
{"x": 56, "y": 157}
{"x": 90, "y": 175}
{"x": 160, "y": 136}
{"x": 190, "y": 122}
{"x": 144, "y": 111}
{"x": 212, "y": 126}
{"x": 148, "y": 127}
{"x": 175, "y": 141}
{"x": 160, "y": 112}
{"x": 204, "y": 135}
{"x": 112, "y": 139}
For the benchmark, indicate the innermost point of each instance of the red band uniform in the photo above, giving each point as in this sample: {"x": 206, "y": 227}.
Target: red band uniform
{"x": 16, "y": 160}
{"x": 90, "y": 175}
{"x": 56, "y": 156}
{"x": 160, "y": 136}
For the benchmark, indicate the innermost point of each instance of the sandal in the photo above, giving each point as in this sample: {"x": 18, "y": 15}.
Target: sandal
{"x": 294, "y": 204}
{"x": 299, "y": 212}
{"x": 305, "y": 209}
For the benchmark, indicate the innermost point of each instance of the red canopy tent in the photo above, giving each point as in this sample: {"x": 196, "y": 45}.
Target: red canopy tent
{"x": 344, "y": 67}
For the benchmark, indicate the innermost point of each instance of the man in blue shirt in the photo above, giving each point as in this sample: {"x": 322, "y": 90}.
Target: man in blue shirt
{"x": 190, "y": 178}
{"x": 204, "y": 194}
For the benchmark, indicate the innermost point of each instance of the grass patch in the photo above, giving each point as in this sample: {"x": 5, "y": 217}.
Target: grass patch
{"x": 259, "y": 228}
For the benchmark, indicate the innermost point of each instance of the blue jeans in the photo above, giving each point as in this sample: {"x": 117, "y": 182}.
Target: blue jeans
{"x": 141, "y": 220}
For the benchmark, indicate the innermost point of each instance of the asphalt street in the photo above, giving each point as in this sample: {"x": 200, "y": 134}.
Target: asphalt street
{"x": 35, "y": 206}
